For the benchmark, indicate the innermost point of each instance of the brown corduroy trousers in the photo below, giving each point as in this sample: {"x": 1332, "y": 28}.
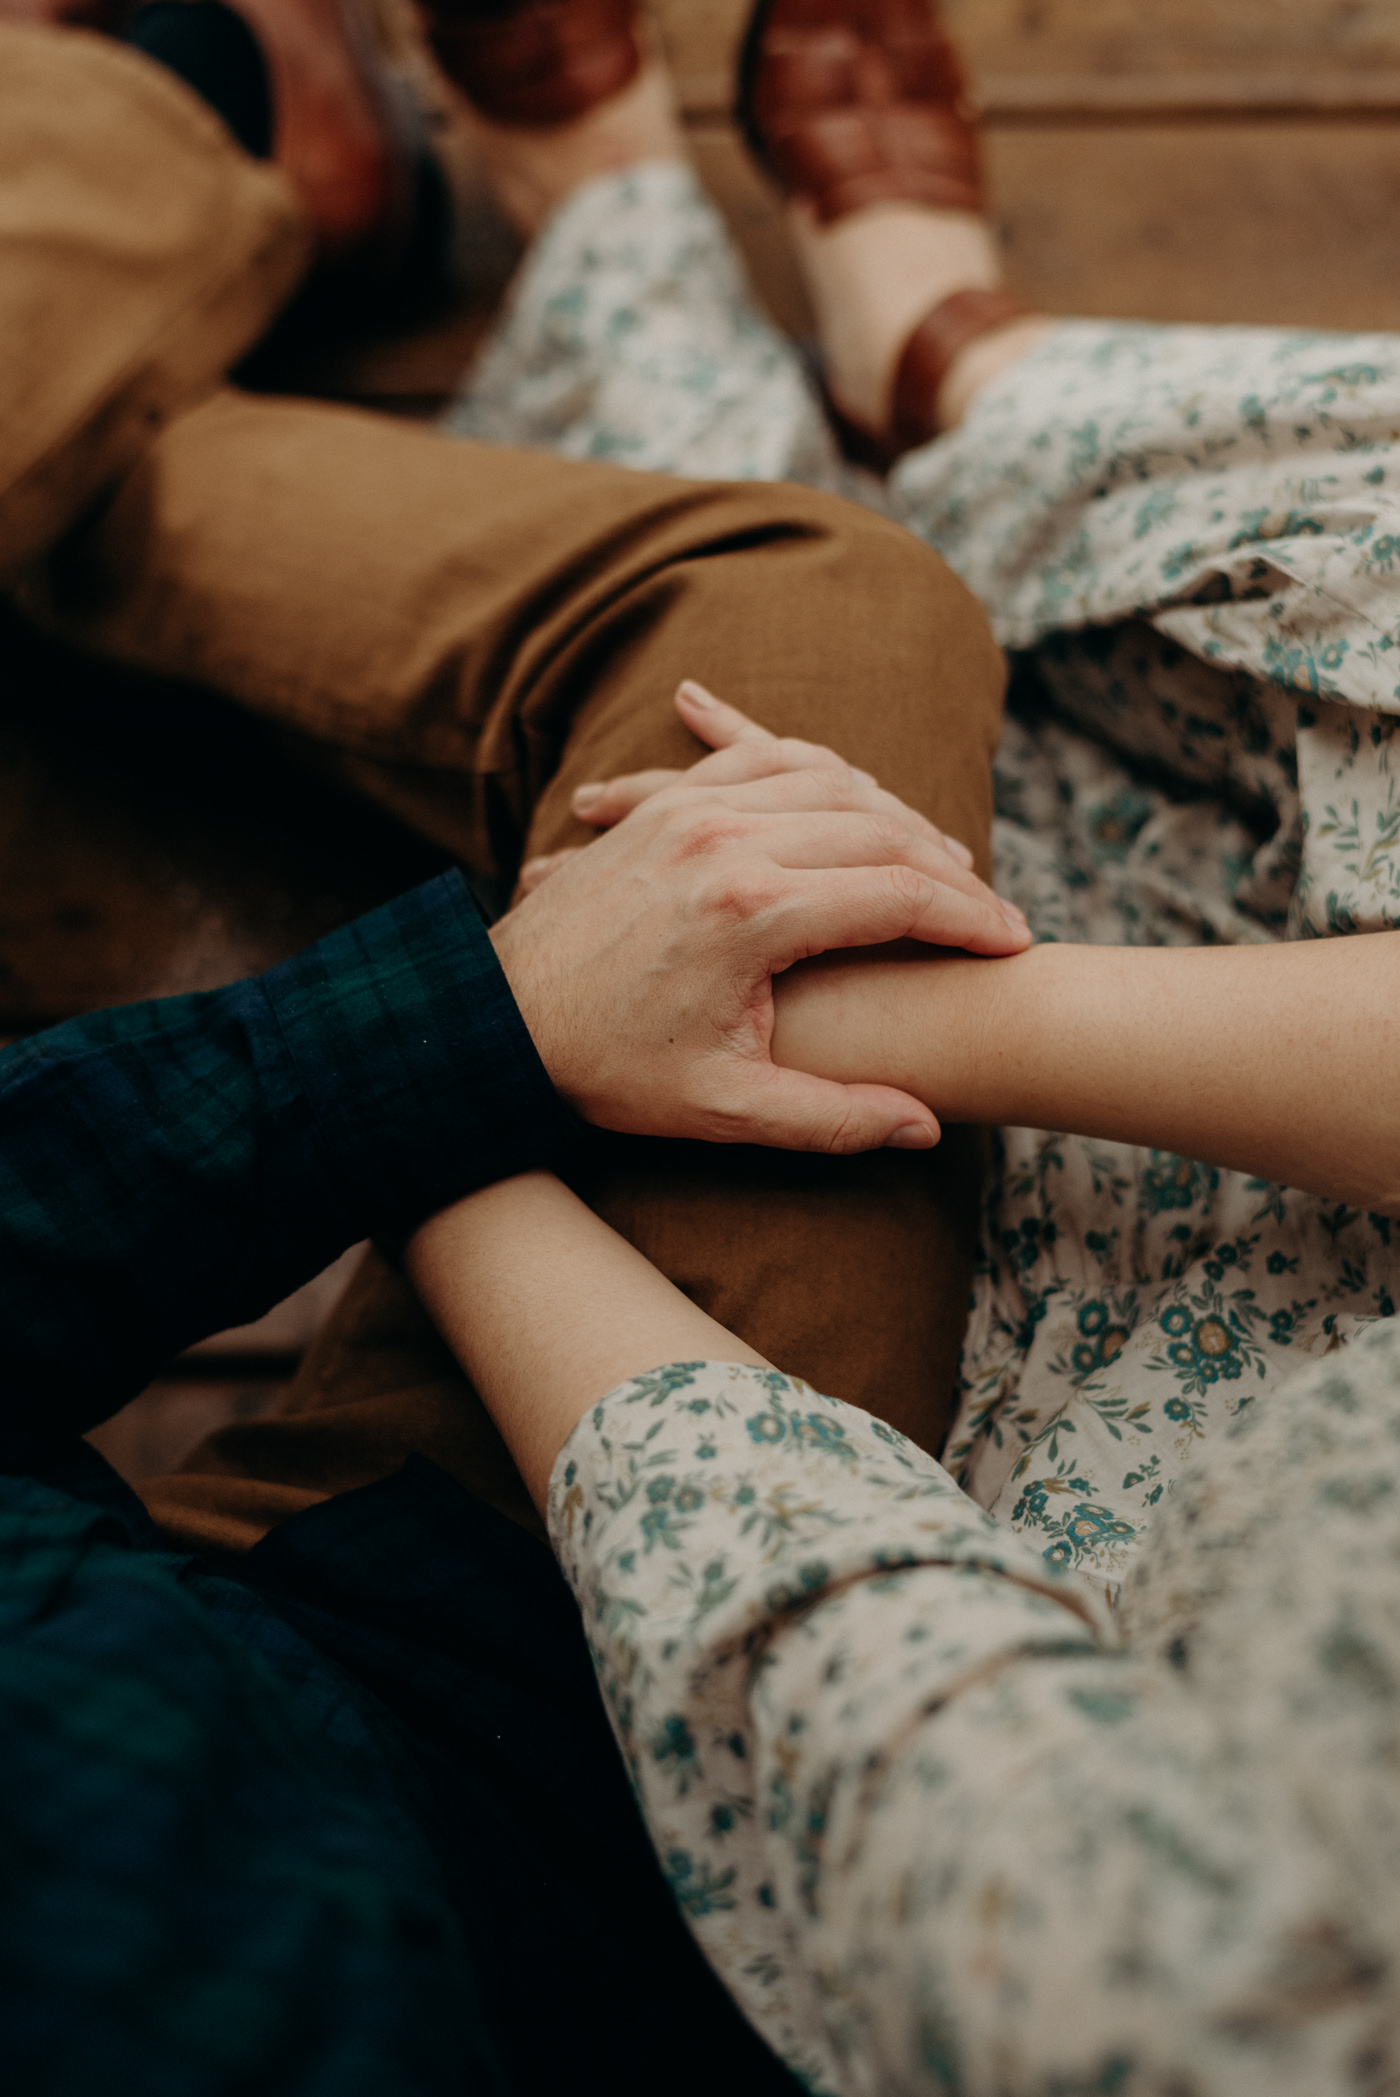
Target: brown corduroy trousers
{"x": 472, "y": 632}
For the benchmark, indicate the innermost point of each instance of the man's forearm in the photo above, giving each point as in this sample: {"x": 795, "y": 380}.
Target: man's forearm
{"x": 171, "y": 1168}
{"x": 1282, "y": 1061}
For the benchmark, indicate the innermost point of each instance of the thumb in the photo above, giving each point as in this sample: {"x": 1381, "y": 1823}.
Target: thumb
{"x": 793, "y": 1111}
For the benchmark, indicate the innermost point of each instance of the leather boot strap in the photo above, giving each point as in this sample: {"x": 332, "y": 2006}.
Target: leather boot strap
{"x": 923, "y": 365}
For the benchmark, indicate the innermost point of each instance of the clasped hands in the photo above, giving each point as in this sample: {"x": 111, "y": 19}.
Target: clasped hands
{"x": 643, "y": 964}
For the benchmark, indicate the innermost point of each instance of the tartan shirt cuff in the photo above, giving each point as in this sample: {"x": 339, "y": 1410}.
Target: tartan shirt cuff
{"x": 415, "y": 1062}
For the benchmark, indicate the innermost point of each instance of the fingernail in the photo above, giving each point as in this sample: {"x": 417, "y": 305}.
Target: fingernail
{"x": 1017, "y": 919}
{"x": 959, "y": 850}
{"x": 695, "y": 693}
{"x": 915, "y": 1135}
{"x": 586, "y": 798}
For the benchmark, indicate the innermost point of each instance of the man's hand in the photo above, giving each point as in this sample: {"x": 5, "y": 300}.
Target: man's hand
{"x": 643, "y": 966}
{"x": 742, "y": 751}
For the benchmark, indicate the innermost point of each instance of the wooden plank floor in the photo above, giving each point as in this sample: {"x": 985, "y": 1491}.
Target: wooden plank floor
{"x": 1184, "y": 161}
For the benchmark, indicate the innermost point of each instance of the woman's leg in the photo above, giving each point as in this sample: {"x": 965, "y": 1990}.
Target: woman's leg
{"x": 120, "y": 304}
{"x": 1189, "y": 531}
{"x": 630, "y": 333}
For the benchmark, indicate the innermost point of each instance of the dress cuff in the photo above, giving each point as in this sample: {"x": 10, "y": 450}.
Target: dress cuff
{"x": 414, "y": 1059}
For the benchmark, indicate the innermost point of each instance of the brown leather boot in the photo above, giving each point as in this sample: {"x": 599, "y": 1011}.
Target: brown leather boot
{"x": 849, "y": 103}
{"x": 535, "y": 61}
{"x": 343, "y": 126}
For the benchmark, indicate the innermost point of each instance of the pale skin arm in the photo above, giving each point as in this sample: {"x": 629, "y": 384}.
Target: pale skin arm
{"x": 548, "y": 1309}
{"x": 1278, "y": 1061}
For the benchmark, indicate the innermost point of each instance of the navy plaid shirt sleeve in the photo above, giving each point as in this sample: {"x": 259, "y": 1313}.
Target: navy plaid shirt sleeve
{"x": 173, "y": 1168}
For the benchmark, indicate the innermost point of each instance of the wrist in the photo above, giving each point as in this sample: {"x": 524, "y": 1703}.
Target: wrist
{"x": 976, "y": 1039}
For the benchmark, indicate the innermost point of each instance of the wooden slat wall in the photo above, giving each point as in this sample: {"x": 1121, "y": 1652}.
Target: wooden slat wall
{"x": 1204, "y": 160}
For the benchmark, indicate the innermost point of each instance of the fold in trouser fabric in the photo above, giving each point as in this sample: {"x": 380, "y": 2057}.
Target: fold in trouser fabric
{"x": 938, "y": 1823}
{"x": 141, "y": 253}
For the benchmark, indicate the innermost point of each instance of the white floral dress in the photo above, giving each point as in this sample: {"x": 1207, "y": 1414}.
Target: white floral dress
{"x": 942, "y": 1820}
{"x": 980, "y": 1835}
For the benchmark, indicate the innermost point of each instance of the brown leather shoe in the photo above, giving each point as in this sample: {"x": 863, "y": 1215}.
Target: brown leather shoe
{"x": 856, "y": 102}
{"x": 535, "y": 61}
{"x": 849, "y": 103}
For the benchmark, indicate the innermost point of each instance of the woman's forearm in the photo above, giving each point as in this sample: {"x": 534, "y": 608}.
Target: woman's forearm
{"x": 547, "y": 1309}
{"x": 1282, "y": 1061}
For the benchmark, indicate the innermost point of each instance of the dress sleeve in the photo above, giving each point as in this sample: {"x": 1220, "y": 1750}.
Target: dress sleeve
{"x": 940, "y": 1822}
{"x": 169, "y": 1169}
{"x": 776, "y": 1588}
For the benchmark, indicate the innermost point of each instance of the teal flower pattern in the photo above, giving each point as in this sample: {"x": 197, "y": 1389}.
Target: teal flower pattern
{"x": 912, "y": 1776}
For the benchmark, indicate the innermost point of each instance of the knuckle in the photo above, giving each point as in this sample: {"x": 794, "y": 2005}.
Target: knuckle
{"x": 890, "y": 836}
{"x": 840, "y": 790}
{"x": 843, "y": 1135}
{"x": 666, "y": 807}
{"x": 705, "y": 833}
{"x": 724, "y": 1121}
{"x": 739, "y": 899}
{"x": 910, "y": 887}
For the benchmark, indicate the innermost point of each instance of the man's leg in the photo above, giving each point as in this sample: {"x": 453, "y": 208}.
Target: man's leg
{"x": 475, "y": 632}
{"x": 140, "y": 254}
